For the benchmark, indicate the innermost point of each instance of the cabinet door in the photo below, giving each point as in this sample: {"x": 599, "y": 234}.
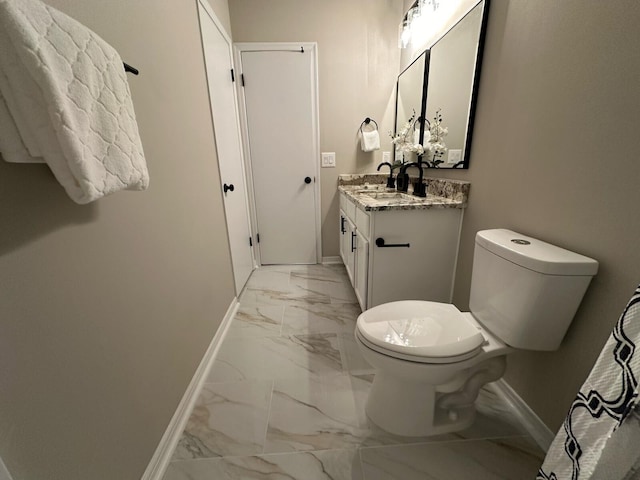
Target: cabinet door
{"x": 350, "y": 262}
{"x": 425, "y": 271}
{"x": 344, "y": 239}
{"x": 362, "y": 269}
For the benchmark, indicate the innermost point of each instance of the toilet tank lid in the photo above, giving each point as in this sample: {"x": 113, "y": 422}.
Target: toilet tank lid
{"x": 535, "y": 254}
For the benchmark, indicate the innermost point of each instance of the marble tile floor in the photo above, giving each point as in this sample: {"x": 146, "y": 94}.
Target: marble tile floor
{"x": 285, "y": 400}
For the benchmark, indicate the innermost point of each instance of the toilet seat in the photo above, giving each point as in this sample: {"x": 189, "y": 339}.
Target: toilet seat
{"x": 420, "y": 331}
{"x": 417, "y": 359}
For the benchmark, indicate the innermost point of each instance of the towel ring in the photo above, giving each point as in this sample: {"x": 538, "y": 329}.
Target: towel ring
{"x": 367, "y": 121}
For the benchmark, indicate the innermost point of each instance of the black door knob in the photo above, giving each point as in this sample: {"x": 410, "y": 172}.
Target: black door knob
{"x": 226, "y": 187}
{"x": 307, "y": 180}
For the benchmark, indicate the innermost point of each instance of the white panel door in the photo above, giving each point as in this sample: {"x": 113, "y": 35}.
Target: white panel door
{"x": 224, "y": 110}
{"x": 279, "y": 91}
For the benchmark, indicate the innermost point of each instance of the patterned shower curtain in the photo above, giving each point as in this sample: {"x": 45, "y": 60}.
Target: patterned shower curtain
{"x": 600, "y": 438}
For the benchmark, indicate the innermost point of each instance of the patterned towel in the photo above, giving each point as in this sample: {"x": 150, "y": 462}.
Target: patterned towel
{"x": 600, "y": 437}
{"x": 65, "y": 100}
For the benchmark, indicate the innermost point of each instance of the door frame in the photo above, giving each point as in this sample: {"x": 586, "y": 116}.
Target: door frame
{"x": 312, "y": 48}
{"x": 212, "y": 15}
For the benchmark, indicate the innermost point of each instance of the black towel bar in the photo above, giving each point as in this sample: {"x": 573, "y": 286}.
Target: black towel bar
{"x": 380, "y": 243}
{"x": 129, "y": 68}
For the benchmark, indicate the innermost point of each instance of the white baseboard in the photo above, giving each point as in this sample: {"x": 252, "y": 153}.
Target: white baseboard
{"x": 528, "y": 418}
{"x": 331, "y": 260}
{"x": 162, "y": 456}
{"x": 4, "y": 472}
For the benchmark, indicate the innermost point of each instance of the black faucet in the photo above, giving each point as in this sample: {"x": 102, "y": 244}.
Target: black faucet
{"x": 419, "y": 188}
{"x": 403, "y": 177}
{"x": 391, "y": 183}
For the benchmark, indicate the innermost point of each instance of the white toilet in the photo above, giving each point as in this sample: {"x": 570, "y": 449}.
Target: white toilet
{"x": 431, "y": 360}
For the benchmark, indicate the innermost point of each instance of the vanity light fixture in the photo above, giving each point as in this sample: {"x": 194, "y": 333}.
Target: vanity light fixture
{"x": 416, "y": 21}
{"x": 426, "y": 18}
{"x": 405, "y": 34}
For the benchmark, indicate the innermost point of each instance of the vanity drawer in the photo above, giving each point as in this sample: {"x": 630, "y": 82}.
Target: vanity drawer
{"x": 343, "y": 202}
{"x": 350, "y": 209}
{"x": 362, "y": 222}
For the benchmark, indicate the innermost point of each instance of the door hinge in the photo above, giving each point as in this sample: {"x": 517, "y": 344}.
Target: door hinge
{"x": 250, "y": 242}
{"x": 258, "y": 237}
{"x": 242, "y": 79}
{"x": 233, "y": 76}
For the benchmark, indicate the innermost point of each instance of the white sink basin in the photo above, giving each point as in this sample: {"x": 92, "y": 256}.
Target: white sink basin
{"x": 395, "y": 197}
{"x": 372, "y": 189}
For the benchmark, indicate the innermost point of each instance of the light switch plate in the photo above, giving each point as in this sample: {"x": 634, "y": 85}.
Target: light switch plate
{"x": 455, "y": 156}
{"x": 386, "y": 157}
{"x": 328, "y": 159}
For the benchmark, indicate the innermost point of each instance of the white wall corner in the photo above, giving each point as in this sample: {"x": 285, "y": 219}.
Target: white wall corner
{"x": 4, "y": 472}
{"x": 162, "y": 456}
{"x": 527, "y": 417}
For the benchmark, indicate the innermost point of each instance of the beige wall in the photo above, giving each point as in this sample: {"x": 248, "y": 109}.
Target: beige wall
{"x": 555, "y": 156}
{"x": 107, "y": 309}
{"x": 358, "y": 63}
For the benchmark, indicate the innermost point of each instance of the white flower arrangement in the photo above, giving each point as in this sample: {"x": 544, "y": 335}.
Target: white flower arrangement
{"x": 405, "y": 139}
{"x": 435, "y": 147}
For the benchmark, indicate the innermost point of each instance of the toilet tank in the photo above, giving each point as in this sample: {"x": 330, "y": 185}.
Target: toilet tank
{"x": 526, "y": 291}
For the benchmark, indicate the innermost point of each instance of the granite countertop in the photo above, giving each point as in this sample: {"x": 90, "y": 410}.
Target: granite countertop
{"x": 369, "y": 192}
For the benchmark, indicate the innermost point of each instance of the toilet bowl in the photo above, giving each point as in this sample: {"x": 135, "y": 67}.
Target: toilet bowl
{"x": 430, "y": 390}
{"x": 431, "y": 360}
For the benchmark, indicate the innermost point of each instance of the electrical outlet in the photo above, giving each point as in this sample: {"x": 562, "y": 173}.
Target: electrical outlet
{"x": 386, "y": 157}
{"x": 328, "y": 159}
{"x": 455, "y": 156}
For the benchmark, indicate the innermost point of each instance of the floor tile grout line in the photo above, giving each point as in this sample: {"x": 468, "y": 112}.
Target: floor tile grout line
{"x": 359, "y": 448}
{"x": 284, "y": 310}
{"x": 270, "y": 454}
{"x": 441, "y": 442}
{"x": 364, "y": 475}
{"x": 266, "y": 428}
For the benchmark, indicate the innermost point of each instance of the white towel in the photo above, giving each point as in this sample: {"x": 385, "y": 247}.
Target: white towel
{"x": 369, "y": 141}
{"x": 65, "y": 100}
{"x": 599, "y": 438}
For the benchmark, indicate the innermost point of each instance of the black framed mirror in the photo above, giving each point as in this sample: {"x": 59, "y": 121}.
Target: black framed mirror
{"x": 410, "y": 102}
{"x": 449, "y": 90}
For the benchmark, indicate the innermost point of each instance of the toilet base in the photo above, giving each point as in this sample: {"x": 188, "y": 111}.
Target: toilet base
{"x": 414, "y": 413}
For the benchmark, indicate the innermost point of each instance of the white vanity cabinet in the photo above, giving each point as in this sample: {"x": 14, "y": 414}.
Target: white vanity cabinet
{"x": 354, "y": 246}
{"x": 362, "y": 268}
{"x": 343, "y": 237}
{"x": 350, "y": 248}
{"x": 423, "y": 270}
